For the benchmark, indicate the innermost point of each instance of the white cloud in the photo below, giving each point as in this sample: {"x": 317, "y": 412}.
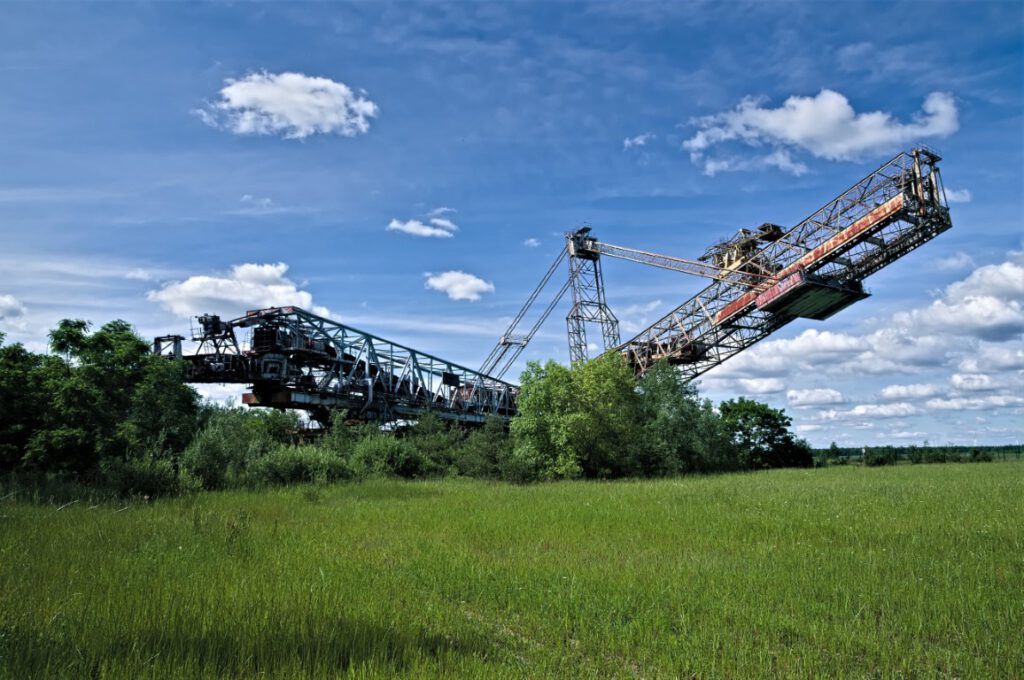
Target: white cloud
{"x": 255, "y": 206}
{"x": 635, "y": 318}
{"x": 896, "y": 410}
{"x": 11, "y": 308}
{"x": 417, "y": 228}
{"x": 959, "y": 260}
{"x": 825, "y": 125}
{"x": 993, "y": 358}
{"x": 916, "y": 391}
{"x": 459, "y": 285}
{"x": 779, "y": 158}
{"x": 1004, "y": 281}
{"x": 290, "y": 104}
{"x": 444, "y": 223}
{"x": 809, "y": 427}
{"x": 972, "y": 382}
{"x": 974, "y": 403}
{"x": 984, "y": 317}
{"x": 986, "y": 305}
{"x": 638, "y": 141}
{"x": 247, "y": 286}
{"x": 139, "y": 274}
{"x": 902, "y": 434}
{"x": 531, "y": 243}
{"x": 761, "y": 385}
{"x": 443, "y": 210}
{"x": 958, "y": 195}
{"x": 814, "y": 397}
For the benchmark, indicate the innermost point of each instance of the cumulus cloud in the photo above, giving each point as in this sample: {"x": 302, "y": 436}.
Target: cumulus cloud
{"x": 247, "y": 286}
{"x": 824, "y": 125}
{"x": 638, "y": 141}
{"x": 761, "y": 385}
{"x": 915, "y": 391}
{"x": 293, "y": 105}
{"x": 11, "y": 308}
{"x": 972, "y": 382}
{"x": 531, "y": 243}
{"x": 990, "y": 357}
{"x": 417, "y": 228}
{"x": 986, "y": 305}
{"x": 459, "y": 285}
{"x": 814, "y": 397}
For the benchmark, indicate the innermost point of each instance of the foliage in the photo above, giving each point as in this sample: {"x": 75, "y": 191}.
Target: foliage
{"x": 100, "y": 397}
{"x": 232, "y": 438}
{"x": 292, "y": 464}
{"x": 150, "y": 477}
{"x": 578, "y": 421}
{"x": 485, "y": 453}
{"x": 763, "y": 437}
{"x": 384, "y": 454}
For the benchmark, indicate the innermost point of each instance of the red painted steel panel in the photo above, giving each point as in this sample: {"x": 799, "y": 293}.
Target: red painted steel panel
{"x": 864, "y": 224}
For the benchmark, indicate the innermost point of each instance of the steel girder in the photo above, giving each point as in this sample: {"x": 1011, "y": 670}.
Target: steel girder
{"x": 299, "y": 360}
{"x": 696, "y": 336}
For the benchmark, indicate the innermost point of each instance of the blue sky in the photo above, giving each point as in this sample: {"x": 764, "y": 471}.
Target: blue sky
{"x": 158, "y": 160}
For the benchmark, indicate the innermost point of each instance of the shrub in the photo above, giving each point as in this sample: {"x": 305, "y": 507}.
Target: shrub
{"x": 222, "y": 450}
{"x": 141, "y": 477}
{"x": 385, "y": 454}
{"x": 291, "y": 464}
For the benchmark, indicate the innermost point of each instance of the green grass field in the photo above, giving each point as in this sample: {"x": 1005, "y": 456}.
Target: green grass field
{"x": 912, "y": 571}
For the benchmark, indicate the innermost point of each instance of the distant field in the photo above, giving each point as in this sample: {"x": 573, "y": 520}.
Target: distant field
{"x": 910, "y": 571}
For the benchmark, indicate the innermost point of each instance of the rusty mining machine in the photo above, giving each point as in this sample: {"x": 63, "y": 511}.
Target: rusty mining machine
{"x": 760, "y": 280}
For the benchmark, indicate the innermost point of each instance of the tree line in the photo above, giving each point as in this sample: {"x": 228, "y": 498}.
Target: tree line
{"x": 101, "y": 410}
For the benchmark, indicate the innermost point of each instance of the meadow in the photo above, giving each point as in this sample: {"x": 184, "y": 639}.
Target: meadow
{"x": 906, "y": 571}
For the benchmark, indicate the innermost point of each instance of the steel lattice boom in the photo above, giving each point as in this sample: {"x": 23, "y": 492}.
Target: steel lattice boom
{"x": 299, "y": 360}
{"x": 818, "y": 267}
{"x": 761, "y": 280}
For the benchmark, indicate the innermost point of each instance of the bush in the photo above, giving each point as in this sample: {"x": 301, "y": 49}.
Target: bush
{"x": 385, "y": 454}
{"x": 141, "y": 477}
{"x": 221, "y": 452}
{"x": 292, "y": 464}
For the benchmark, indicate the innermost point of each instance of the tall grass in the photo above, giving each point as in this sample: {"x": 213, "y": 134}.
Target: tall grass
{"x": 913, "y": 571}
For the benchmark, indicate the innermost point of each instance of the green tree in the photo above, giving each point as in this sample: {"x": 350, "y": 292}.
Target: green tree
{"x": 26, "y": 398}
{"x": 108, "y": 398}
{"x": 578, "y": 421}
{"x": 485, "y": 452}
{"x": 762, "y": 435}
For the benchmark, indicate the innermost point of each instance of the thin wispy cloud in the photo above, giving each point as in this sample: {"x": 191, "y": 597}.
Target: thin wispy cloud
{"x": 637, "y": 141}
{"x": 418, "y": 228}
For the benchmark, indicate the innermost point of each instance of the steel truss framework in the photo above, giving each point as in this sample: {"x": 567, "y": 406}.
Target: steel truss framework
{"x": 299, "y": 360}
{"x": 589, "y": 305}
{"x": 883, "y": 217}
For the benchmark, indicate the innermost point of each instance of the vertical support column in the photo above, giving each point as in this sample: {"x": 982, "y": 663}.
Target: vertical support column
{"x": 588, "y": 303}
